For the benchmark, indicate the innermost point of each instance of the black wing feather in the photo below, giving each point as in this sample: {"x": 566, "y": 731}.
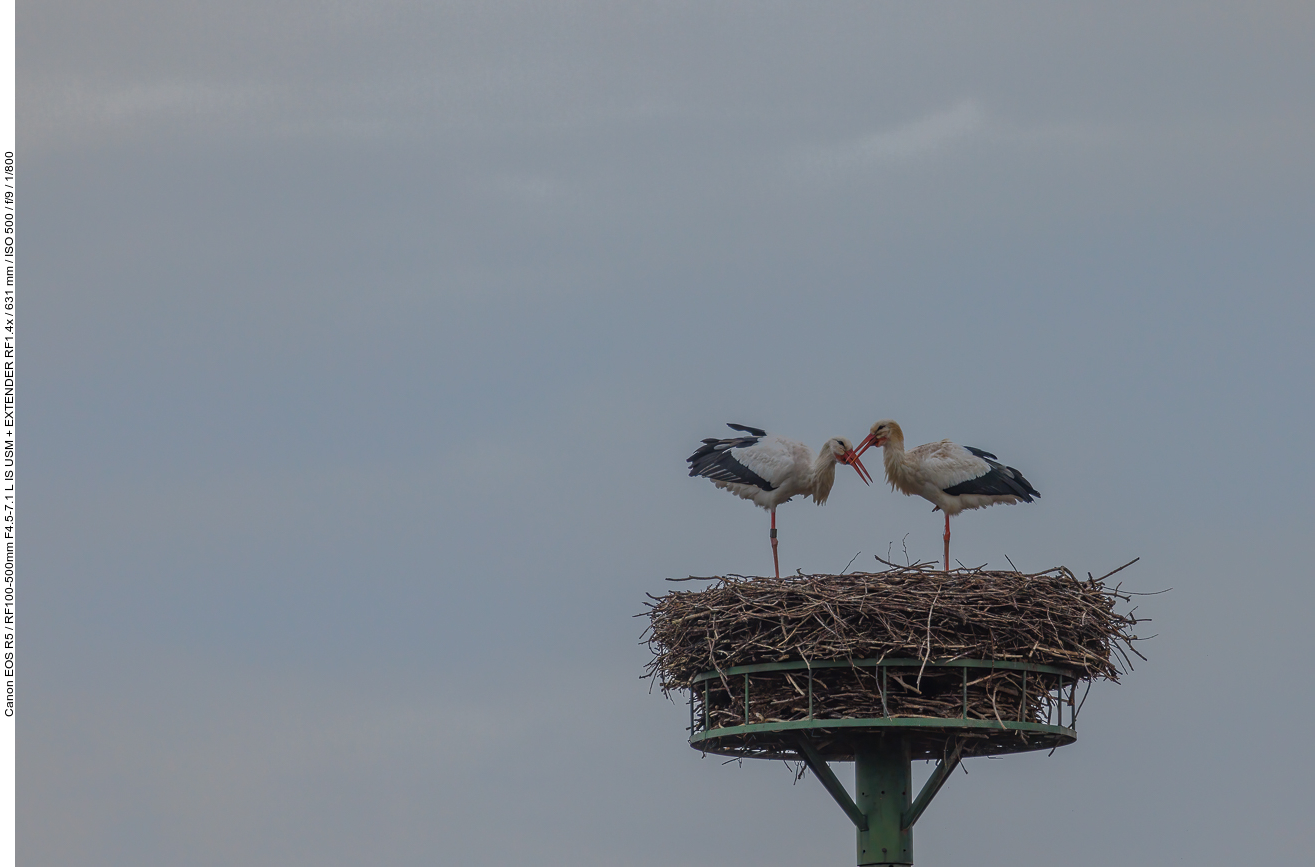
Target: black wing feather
{"x": 999, "y": 480}
{"x": 752, "y": 431}
{"x": 713, "y": 460}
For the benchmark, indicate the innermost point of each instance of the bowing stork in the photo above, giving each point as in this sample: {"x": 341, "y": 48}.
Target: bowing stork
{"x": 952, "y": 477}
{"x": 770, "y": 469}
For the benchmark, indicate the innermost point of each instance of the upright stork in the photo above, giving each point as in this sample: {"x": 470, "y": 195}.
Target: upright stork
{"x": 770, "y": 469}
{"x": 952, "y": 477}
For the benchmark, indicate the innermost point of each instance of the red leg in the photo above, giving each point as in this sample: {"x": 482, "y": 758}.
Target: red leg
{"x": 775, "y": 561}
{"x": 947, "y": 541}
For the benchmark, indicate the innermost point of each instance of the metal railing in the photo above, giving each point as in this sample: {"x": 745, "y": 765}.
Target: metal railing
{"x": 1054, "y": 682}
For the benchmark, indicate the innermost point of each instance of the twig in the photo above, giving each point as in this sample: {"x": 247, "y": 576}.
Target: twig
{"x": 930, "y": 608}
{"x": 1118, "y": 570}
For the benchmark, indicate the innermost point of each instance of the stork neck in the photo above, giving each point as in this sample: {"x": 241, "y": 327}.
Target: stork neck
{"x": 824, "y": 475}
{"x": 893, "y": 457}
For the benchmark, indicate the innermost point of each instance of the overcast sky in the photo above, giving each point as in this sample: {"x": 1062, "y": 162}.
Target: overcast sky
{"x": 363, "y": 345}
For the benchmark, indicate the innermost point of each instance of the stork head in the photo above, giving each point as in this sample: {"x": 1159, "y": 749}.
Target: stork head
{"x": 843, "y": 451}
{"x": 882, "y": 432}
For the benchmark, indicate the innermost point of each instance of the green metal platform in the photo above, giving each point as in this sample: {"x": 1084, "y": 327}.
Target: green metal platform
{"x": 883, "y": 808}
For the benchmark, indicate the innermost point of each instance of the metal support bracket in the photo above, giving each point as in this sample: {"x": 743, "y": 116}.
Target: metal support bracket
{"x": 822, "y": 771}
{"x": 933, "y": 785}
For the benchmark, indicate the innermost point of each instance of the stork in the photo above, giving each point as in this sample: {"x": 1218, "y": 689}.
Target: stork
{"x": 952, "y": 477}
{"x": 770, "y": 469}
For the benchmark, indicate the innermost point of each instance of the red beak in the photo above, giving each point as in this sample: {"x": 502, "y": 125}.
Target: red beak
{"x": 852, "y": 459}
{"x": 867, "y": 443}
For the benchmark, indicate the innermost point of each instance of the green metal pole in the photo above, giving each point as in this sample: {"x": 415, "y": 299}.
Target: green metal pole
{"x": 883, "y": 784}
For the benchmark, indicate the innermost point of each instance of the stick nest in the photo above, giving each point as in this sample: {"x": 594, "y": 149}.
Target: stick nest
{"x": 913, "y": 612}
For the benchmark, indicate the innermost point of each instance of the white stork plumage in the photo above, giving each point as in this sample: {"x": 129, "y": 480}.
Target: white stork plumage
{"x": 952, "y": 477}
{"x": 770, "y": 469}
